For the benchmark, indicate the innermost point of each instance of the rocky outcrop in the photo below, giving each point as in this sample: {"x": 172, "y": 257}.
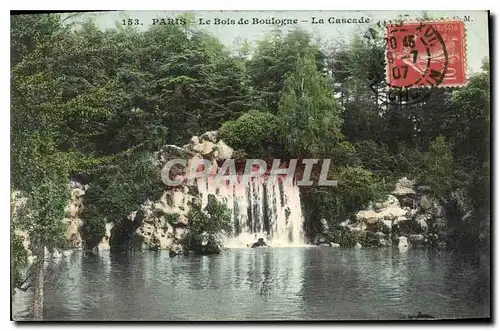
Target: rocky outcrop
{"x": 73, "y": 212}
{"x": 404, "y": 187}
{"x": 162, "y": 224}
{"x": 406, "y": 218}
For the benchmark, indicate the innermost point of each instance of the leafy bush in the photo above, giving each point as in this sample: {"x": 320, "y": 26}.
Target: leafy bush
{"x": 357, "y": 187}
{"x": 374, "y": 157}
{"x": 254, "y": 132}
{"x": 118, "y": 191}
{"x": 437, "y": 169}
{"x": 345, "y": 154}
{"x": 207, "y": 225}
{"x": 348, "y": 239}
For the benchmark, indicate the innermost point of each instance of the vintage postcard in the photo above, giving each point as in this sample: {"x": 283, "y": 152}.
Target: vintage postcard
{"x": 250, "y": 165}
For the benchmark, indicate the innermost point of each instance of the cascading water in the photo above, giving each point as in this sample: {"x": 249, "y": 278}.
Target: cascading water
{"x": 259, "y": 209}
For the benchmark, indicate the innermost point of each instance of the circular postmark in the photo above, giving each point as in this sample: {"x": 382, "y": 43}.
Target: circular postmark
{"x": 415, "y": 62}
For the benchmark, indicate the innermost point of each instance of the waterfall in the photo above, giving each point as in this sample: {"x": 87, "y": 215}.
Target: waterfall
{"x": 260, "y": 209}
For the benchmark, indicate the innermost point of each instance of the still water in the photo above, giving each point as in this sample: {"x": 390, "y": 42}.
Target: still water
{"x": 265, "y": 284}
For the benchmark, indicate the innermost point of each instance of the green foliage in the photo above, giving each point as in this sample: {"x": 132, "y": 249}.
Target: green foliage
{"x": 276, "y": 56}
{"x": 358, "y": 187}
{"x": 355, "y": 189}
{"x": 19, "y": 259}
{"x": 213, "y": 219}
{"x": 171, "y": 218}
{"x": 116, "y": 192}
{"x": 29, "y": 31}
{"x": 345, "y": 154}
{"x": 375, "y": 157}
{"x": 255, "y": 132}
{"x": 437, "y": 168}
{"x": 348, "y": 239}
{"x": 207, "y": 224}
{"x": 308, "y": 112}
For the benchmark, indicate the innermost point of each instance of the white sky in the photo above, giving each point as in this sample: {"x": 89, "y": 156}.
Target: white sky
{"x": 232, "y": 35}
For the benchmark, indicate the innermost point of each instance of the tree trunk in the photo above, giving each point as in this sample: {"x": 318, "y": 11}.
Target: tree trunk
{"x": 38, "y": 296}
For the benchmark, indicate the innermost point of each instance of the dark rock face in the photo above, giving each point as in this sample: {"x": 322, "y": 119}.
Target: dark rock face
{"x": 260, "y": 243}
{"x": 123, "y": 235}
{"x": 212, "y": 246}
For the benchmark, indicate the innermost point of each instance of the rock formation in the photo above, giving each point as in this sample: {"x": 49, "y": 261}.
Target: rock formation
{"x": 161, "y": 224}
{"x": 73, "y": 212}
{"x": 407, "y": 218}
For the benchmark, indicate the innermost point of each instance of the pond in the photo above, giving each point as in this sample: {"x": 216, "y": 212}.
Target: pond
{"x": 265, "y": 284}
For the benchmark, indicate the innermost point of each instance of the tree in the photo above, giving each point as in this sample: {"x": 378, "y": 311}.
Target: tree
{"x": 39, "y": 170}
{"x": 276, "y": 56}
{"x": 437, "y": 168}
{"x": 309, "y": 114}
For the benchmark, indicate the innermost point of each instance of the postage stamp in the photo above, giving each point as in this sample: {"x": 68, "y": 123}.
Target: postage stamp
{"x": 426, "y": 54}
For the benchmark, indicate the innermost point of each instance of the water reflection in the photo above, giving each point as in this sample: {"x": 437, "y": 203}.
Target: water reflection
{"x": 264, "y": 284}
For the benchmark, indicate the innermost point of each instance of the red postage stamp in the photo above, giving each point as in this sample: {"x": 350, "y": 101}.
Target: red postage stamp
{"x": 426, "y": 54}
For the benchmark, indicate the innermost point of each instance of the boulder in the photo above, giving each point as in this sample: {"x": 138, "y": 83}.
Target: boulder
{"x": 181, "y": 220}
{"x": 198, "y": 148}
{"x": 391, "y": 202}
{"x": 210, "y": 136}
{"x": 177, "y": 198}
{"x": 175, "y": 249}
{"x": 420, "y": 222}
{"x": 386, "y": 226}
{"x": 393, "y": 213}
{"x": 104, "y": 244}
{"x": 402, "y": 242}
{"x": 161, "y": 208}
{"x": 334, "y": 245}
{"x": 72, "y": 210}
{"x": 425, "y": 203}
{"x": 207, "y": 147}
{"x": 170, "y": 152}
{"x": 194, "y": 140}
{"x": 404, "y": 186}
{"x": 410, "y": 213}
{"x": 368, "y": 216}
{"x": 179, "y": 232}
{"x": 345, "y": 223}
{"x": 225, "y": 152}
{"x": 73, "y": 235}
{"x": 324, "y": 226}
{"x": 358, "y": 246}
{"x": 358, "y": 227}
{"x": 131, "y": 216}
{"x": 212, "y": 245}
{"x": 77, "y": 192}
